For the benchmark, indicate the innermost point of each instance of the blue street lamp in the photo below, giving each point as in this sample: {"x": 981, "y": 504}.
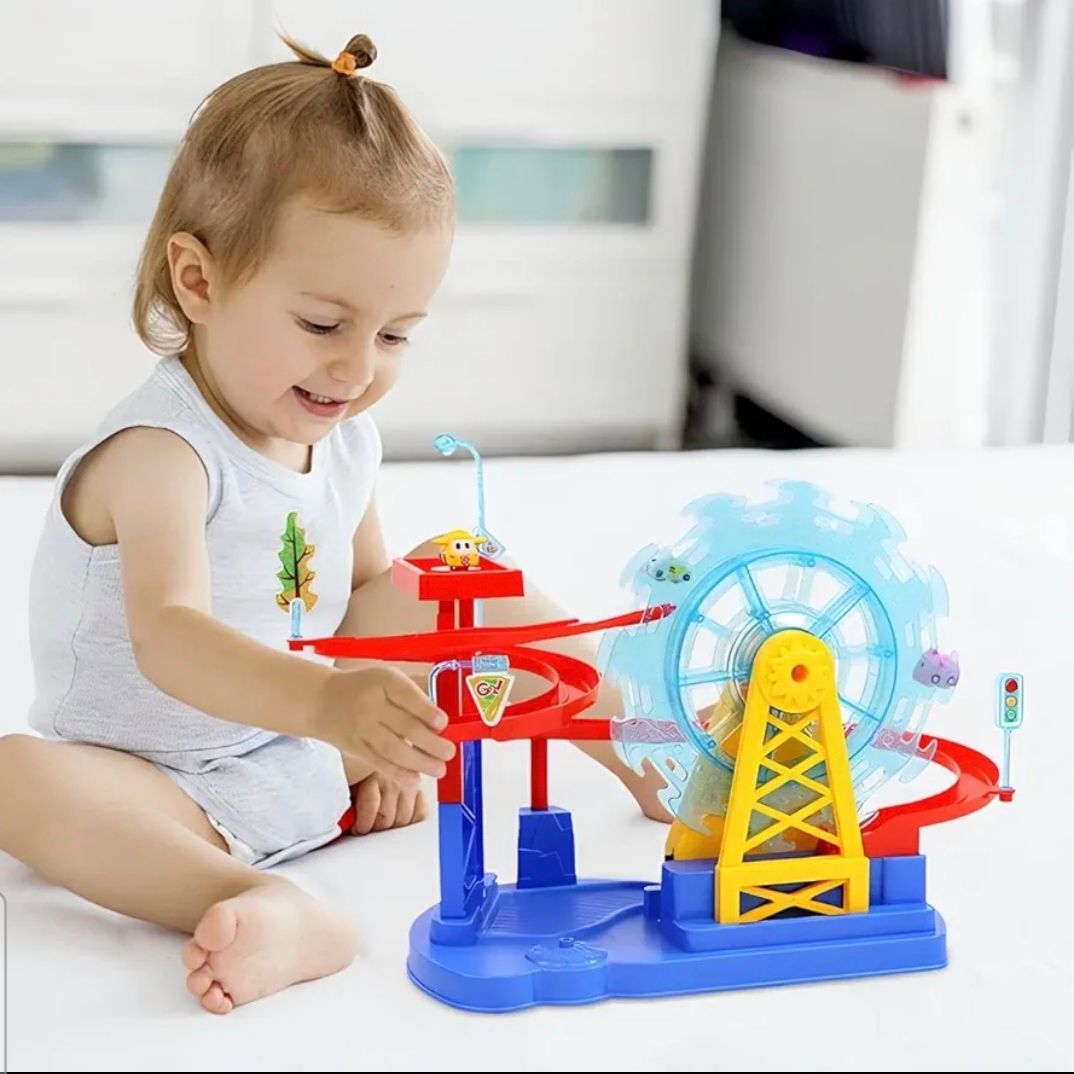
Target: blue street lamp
{"x": 447, "y": 445}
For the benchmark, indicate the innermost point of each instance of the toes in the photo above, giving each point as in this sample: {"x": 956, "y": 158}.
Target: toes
{"x": 216, "y": 1000}
{"x": 216, "y": 930}
{"x": 194, "y": 956}
{"x": 200, "y": 981}
{"x": 366, "y": 806}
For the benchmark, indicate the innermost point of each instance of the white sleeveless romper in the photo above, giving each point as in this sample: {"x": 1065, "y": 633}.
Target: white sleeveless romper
{"x": 271, "y": 796}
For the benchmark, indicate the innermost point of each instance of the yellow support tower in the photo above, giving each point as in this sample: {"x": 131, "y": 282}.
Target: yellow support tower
{"x": 792, "y": 775}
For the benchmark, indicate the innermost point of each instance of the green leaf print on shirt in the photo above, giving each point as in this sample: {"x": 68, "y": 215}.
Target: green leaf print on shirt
{"x": 296, "y": 575}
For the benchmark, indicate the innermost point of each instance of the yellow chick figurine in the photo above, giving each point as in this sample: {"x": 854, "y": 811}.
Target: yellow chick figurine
{"x": 459, "y": 550}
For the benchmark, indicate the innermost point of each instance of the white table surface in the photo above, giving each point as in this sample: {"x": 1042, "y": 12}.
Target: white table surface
{"x": 89, "y": 990}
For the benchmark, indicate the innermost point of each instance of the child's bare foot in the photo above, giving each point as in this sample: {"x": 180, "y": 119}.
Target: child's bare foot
{"x": 646, "y": 790}
{"x": 380, "y": 804}
{"x": 261, "y": 941}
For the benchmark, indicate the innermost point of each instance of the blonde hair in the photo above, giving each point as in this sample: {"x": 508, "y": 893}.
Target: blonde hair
{"x": 309, "y": 125}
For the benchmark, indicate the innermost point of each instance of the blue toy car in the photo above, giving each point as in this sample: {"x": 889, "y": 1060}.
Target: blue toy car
{"x": 667, "y": 569}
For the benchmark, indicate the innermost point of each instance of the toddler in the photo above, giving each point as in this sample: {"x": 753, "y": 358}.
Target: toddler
{"x": 181, "y": 751}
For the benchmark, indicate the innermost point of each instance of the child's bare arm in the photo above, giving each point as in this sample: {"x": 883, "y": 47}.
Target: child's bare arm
{"x": 370, "y": 583}
{"x": 370, "y": 551}
{"x": 153, "y": 490}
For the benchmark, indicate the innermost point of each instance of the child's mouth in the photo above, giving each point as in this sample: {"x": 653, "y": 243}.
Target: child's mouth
{"x": 322, "y": 406}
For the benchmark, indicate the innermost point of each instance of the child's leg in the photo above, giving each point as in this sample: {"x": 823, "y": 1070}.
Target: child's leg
{"x": 114, "y": 829}
{"x": 378, "y": 608}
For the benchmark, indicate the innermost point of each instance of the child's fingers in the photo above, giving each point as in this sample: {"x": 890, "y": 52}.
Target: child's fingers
{"x": 404, "y": 693}
{"x": 425, "y": 740}
{"x": 406, "y": 756}
{"x": 420, "y": 808}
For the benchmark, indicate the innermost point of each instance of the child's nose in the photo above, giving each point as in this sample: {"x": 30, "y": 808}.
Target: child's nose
{"x": 355, "y": 368}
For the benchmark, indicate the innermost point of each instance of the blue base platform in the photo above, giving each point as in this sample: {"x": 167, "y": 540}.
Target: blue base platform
{"x": 570, "y": 942}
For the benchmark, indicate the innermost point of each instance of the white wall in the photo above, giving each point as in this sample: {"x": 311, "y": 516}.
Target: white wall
{"x": 879, "y": 263}
{"x": 809, "y": 237}
{"x": 561, "y": 335}
{"x": 1031, "y": 362}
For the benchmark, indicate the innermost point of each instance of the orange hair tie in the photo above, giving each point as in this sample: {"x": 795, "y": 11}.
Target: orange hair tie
{"x": 345, "y": 64}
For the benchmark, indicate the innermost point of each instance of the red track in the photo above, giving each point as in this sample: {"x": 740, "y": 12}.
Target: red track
{"x": 572, "y": 683}
{"x": 462, "y": 643}
{"x": 896, "y": 830}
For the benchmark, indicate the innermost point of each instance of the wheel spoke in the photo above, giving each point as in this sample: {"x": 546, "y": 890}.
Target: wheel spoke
{"x": 839, "y": 607}
{"x": 709, "y": 677}
{"x": 855, "y": 707}
{"x": 799, "y": 583}
{"x": 852, "y": 651}
{"x": 793, "y": 583}
{"x": 754, "y": 600}
{"x": 718, "y": 629}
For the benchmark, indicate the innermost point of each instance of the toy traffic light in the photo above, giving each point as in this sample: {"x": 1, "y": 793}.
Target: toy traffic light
{"x": 1010, "y": 704}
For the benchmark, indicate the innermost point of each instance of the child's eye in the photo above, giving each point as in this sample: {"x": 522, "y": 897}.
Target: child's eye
{"x": 316, "y": 327}
{"x": 391, "y": 339}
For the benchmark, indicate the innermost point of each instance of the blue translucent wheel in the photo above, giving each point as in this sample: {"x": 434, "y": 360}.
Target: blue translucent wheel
{"x": 743, "y": 572}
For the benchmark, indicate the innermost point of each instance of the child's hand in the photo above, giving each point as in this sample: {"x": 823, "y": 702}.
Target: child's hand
{"x": 380, "y": 804}
{"x": 383, "y": 718}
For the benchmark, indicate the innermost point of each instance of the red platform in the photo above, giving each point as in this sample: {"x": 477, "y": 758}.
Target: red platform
{"x": 428, "y": 579}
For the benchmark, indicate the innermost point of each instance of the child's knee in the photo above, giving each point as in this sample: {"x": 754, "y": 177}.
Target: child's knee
{"x": 19, "y": 755}
{"x": 426, "y": 550}
{"x": 23, "y": 761}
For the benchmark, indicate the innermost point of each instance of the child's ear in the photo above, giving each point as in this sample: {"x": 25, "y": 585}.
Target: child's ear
{"x": 191, "y": 267}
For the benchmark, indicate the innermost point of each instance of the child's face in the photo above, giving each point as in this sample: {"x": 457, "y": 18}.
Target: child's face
{"x": 318, "y": 333}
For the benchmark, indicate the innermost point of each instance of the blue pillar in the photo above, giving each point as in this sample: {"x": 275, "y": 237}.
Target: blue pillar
{"x": 545, "y": 848}
{"x": 462, "y": 842}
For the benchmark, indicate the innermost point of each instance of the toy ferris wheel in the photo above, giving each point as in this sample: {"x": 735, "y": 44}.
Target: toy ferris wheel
{"x": 746, "y": 573}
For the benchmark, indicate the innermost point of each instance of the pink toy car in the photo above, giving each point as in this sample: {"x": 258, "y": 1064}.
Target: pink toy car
{"x": 937, "y": 669}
